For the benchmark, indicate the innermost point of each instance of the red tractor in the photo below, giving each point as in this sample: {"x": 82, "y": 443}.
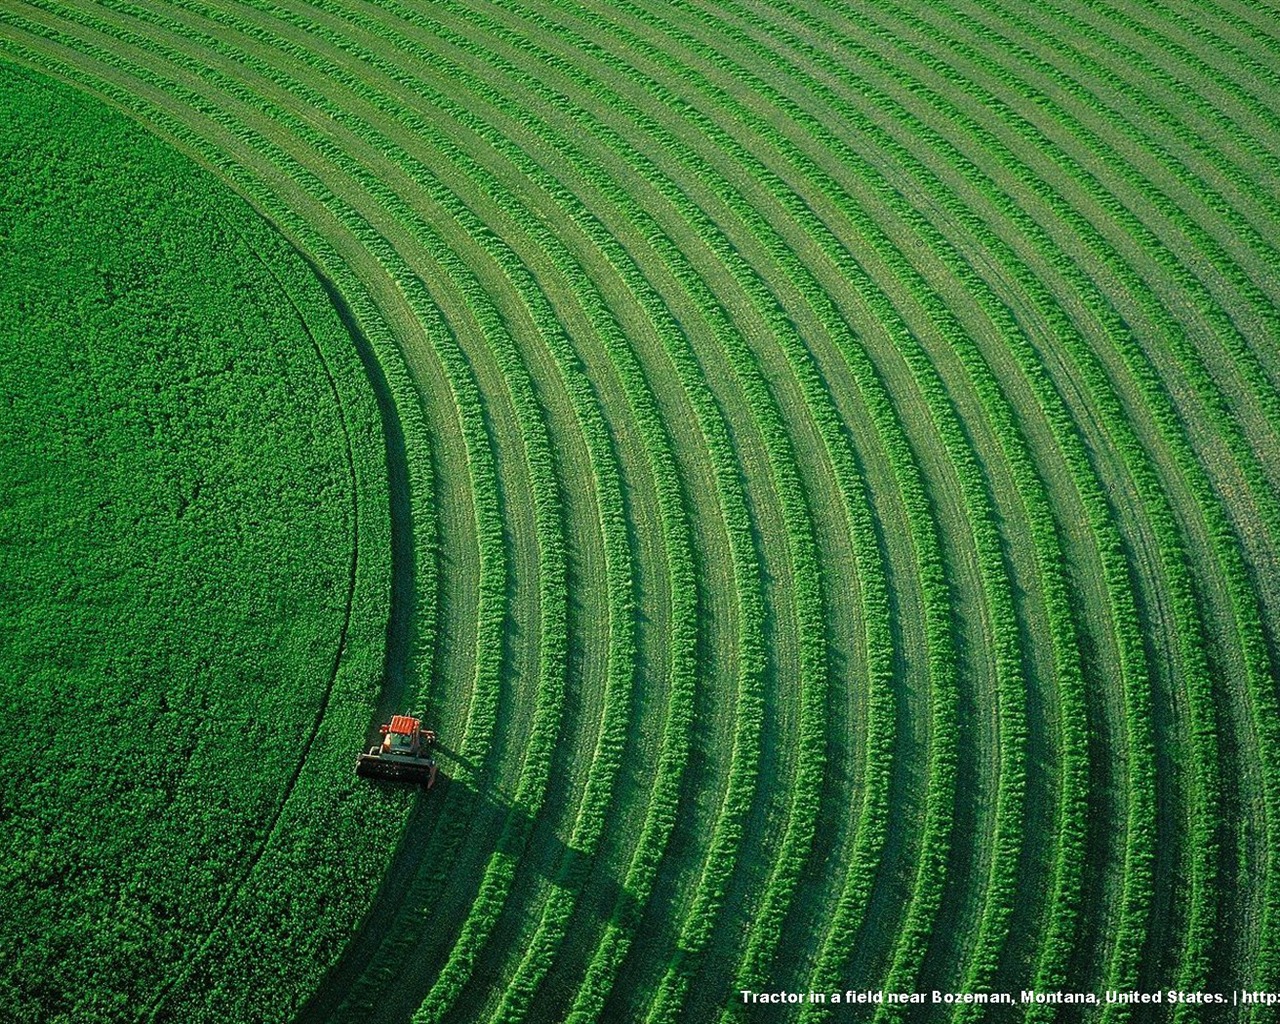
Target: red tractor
{"x": 404, "y": 754}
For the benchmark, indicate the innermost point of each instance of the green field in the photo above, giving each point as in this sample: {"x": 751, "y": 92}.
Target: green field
{"x": 815, "y": 464}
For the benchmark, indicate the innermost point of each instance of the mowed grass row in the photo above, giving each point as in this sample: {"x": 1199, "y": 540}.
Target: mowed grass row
{"x": 622, "y": 658}
{"x": 1243, "y": 413}
{"x": 620, "y": 354}
{"x": 1205, "y": 842}
{"x": 1194, "y": 367}
{"x": 772, "y": 434}
{"x": 577, "y": 841}
{"x": 1181, "y": 162}
{"x": 1231, "y": 385}
{"x": 1013, "y": 744}
{"x": 1258, "y": 543}
{"x": 658, "y": 824}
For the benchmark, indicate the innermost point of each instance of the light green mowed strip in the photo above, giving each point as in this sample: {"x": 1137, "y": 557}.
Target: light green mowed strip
{"x": 849, "y": 440}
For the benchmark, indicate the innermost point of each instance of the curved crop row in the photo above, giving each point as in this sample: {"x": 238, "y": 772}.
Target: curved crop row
{"x": 682, "y": 681}
{"x": 1188, "y": 284}
{"x": 828, "y": 435}
{"x": 776, "y": 439}
{"x": 1010, "y": 695}
{"x": 658, "y": 826}
{"x": 1204, "y": 729}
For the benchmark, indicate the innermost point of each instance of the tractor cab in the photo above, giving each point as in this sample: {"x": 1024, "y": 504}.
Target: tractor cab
{"x": 404, "y": 753}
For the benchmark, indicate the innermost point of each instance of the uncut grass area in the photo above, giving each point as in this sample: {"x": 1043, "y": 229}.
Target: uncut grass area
{"x": 832, "y": 454}
{"x": 178, "y": 570}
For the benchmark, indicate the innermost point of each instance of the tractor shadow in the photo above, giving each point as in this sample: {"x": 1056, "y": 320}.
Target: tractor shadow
{"x": 531, "y": 840}
{"x": 452, "y": 833}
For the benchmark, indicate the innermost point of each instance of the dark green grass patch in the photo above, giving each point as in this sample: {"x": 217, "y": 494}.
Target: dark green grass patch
{"x": 191, "y": 576}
